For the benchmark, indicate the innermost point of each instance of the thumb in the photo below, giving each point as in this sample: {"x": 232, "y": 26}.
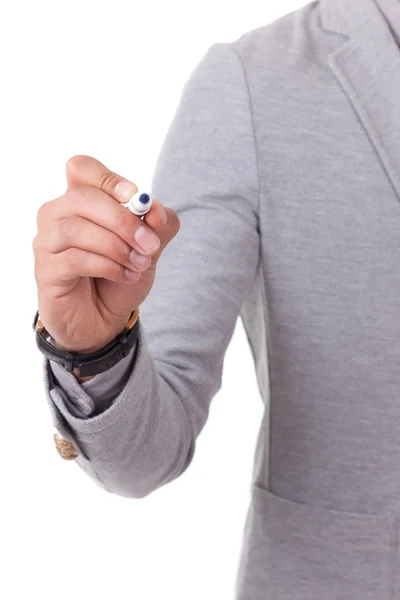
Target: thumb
{"x": 86, "y": 170}
{"x": 164, "y": 222}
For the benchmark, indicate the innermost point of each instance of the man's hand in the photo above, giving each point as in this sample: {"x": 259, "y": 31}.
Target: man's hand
{"x": 95, "y": 261}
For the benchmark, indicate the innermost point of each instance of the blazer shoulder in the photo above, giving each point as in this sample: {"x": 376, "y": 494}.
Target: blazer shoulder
{"x": 293, "y": 39}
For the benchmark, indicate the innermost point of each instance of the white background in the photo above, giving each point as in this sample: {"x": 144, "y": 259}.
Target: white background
{"x": 104, "y": 79}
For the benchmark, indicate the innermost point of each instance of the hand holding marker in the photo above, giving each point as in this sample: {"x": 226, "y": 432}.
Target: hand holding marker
{"x": 139, "y": 205}
{"x": 114, "y": 257}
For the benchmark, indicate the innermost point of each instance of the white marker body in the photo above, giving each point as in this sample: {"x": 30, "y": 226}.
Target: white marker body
{"x": 136, "y": 207}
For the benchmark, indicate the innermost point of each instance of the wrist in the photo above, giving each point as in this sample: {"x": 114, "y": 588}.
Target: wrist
{"x": 91, "y": 349}
{"x": 82, "y": 351}
{"x": 84, "y": 364}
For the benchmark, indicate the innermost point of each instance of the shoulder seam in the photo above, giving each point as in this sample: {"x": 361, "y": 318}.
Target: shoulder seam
{"x": 235, "y": 51}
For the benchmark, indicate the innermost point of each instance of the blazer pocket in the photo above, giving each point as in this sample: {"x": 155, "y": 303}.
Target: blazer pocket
{"x": 297, "y": 551}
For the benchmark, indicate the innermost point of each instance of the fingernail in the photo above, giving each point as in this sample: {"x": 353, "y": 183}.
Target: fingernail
{"x": 138, "y": 260}
{"x": 147, "y": 239}
{"x": 124, "y": 190}
{"x": 132, "y": 275}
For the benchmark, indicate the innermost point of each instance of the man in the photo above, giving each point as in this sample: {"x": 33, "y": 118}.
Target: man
{"x": 281, "y": 173}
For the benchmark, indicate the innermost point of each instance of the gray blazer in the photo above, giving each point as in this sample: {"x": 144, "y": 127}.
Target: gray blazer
{"x": 283, "y": 164}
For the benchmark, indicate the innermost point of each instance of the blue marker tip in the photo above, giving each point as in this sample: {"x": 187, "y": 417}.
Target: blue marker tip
{"x": 144, "y": 198}
{"x": 140, "y": 205}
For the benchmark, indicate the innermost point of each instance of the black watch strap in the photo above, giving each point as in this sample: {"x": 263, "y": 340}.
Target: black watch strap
{"x": 89, "y": 364}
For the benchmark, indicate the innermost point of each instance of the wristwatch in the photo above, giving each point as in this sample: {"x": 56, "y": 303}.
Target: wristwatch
{"x": 96, "y": 362}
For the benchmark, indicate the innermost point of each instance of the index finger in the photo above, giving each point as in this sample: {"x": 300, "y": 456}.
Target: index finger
{"x": 98, "y": 207}
{"x": 85, "y": 170}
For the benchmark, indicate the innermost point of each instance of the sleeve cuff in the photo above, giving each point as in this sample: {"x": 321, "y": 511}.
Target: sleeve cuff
{"x": 92, "y": 397}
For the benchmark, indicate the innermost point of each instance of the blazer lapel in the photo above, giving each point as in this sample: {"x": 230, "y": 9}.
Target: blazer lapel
{"x": 367, "y": 65}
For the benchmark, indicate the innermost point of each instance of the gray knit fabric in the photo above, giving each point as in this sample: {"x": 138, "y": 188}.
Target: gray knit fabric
{"x": 283, "y": 164}
{"x": 391, "y": 12}
{"x": 92, "y": 397}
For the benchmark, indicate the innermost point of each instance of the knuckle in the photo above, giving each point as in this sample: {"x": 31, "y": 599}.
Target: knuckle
{"x": 43, "y": 212}
{"x": 40, "y": 266}
{"x": 81, "y": 195}
{"x": 72, "y": 258}
{"x": 68, "y": 228}
{"x": 37, "y": 271}
{"x": 35, "y": 244}
{"x": 109, "y": 268}
{"x": 76, "y": 161}
{"x": 108, "y": 181}
{"x": 116, "y": 248}
{"x": 124, "y": 221}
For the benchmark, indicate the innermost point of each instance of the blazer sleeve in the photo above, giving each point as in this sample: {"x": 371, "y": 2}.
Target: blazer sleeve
{"x": 90, "y": 398}
{"x": 206, "y": 171}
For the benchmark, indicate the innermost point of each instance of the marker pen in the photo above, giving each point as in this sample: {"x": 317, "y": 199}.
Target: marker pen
{"x": 139, "y": 205}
